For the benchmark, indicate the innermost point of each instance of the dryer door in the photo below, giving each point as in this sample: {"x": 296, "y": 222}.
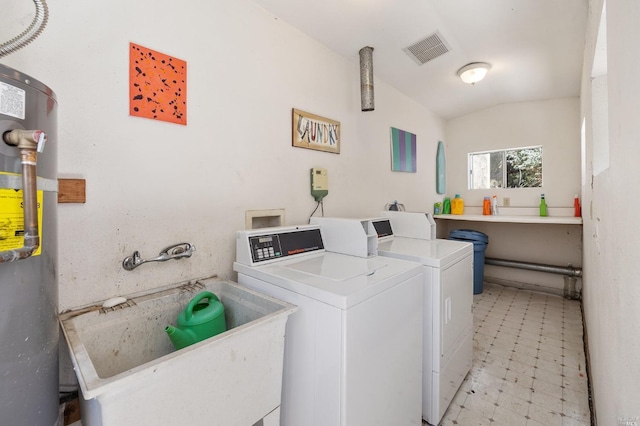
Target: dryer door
{"x": 455, "y": 305}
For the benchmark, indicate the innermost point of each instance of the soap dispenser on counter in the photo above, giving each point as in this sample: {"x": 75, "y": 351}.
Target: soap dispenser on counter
{"x": 577, "y": 210}
{"x": 486, "y": 206}
{"x": 446, "y": 206}
{"x": 457, "y": 205}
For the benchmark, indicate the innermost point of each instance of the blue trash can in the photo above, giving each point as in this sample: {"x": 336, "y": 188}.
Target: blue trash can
{"x": 480, "y": 241}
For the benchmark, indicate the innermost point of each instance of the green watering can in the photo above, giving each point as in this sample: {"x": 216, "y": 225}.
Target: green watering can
{"x": 199, "y": 321}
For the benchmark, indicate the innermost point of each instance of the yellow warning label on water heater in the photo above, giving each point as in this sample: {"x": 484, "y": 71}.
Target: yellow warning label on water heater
{"x": 12, "y": 220}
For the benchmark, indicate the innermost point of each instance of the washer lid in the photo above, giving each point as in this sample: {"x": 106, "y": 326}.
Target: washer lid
{"x": 336, "y": 279}
{"x": 336, "y": 268}
{"x": 437, "y": 253}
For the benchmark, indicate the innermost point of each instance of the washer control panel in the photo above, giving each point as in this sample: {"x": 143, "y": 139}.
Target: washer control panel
{"x": 277, "y": 245}
{"x": 265, "y": 247}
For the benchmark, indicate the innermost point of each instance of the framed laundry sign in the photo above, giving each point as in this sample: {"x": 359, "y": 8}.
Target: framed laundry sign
{"x": 314, "y": 132}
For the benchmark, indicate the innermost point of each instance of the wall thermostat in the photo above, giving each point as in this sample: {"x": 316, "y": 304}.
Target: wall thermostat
{"x": 319, "y": 183}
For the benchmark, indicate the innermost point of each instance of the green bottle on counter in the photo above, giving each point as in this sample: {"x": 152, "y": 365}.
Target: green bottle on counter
{"x": 543, "y": 206}
{"x": 446, "y": 206}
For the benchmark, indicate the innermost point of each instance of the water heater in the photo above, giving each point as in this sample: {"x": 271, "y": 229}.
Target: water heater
{"x": 28, "y": 278}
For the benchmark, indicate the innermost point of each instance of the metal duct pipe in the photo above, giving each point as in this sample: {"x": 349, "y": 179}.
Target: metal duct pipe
{"x": 562, "y": 270}
{"x": 31, "y": 33}
{"x": 366, "y": 79}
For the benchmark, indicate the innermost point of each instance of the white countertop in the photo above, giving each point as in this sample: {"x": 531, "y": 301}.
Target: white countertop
{"x": 565, "y": 220}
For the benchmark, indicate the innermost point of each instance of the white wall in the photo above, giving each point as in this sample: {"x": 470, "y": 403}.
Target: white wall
{"x": 151, "y": 184}
{"x": 554, "y": 124}
{"x": 611, "y": 245}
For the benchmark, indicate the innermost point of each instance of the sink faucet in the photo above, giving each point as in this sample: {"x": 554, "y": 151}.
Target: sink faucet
{"x": 176, "y": 251}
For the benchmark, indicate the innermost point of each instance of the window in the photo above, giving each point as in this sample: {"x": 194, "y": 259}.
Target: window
{"x": 511, "y": 168}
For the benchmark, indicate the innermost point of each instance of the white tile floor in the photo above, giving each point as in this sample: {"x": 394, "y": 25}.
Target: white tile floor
{"x": 528, "y": 362}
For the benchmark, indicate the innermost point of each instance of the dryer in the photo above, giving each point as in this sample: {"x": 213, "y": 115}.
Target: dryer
{"x": 448, "y": 302}
{"x": 353, "y": 350}
{"x": 448, "y": 292}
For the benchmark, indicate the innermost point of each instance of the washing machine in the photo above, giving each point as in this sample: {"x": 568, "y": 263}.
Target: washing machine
{"x": 448, "y": 302}
{"x": 353, "y": 350}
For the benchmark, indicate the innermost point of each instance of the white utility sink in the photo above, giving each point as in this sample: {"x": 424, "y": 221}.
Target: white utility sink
{"x": 130, "y": 374}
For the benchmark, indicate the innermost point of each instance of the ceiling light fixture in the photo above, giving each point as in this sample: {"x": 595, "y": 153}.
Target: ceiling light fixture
{"x": 473, "y": 72}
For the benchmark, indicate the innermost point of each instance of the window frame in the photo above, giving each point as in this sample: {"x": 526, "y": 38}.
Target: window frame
{"x": 504, "y": 151}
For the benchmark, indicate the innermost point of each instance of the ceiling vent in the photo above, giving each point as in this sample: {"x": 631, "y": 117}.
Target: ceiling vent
{"x": 428, "y": 48}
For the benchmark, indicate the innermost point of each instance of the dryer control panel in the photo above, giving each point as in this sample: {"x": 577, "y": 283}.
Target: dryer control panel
{"x": 383, "y": 228}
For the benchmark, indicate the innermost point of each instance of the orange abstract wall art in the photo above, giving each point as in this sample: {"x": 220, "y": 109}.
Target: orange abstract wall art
{"x": 157, "y": 85}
